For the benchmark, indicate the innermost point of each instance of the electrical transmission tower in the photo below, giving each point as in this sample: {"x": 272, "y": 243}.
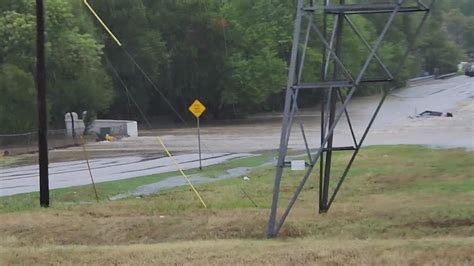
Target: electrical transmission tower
{"x": 338, "y": 84}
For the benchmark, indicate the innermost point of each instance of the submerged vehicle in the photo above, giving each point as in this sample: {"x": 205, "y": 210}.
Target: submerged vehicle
{"x": 434, "y": 114}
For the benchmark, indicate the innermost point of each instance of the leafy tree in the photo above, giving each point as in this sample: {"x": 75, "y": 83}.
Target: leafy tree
{"x": 17, "y": 101}
{"x": 76, "y": 76}
{"x": 232, "y": 55}
{"x": 256, "y": 57}
{"x": 439, "y": 53}
{"x": 460, "y": 27}
{"x": 130, "y": 21}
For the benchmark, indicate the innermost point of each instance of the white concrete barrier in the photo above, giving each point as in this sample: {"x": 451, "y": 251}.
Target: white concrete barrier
{"x": 126, "y": 128}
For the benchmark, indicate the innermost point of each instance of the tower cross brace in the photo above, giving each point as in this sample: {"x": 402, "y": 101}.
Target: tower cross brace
{"x": 331, "y": 86}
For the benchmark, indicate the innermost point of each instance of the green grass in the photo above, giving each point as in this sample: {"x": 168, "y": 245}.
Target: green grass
{"x": 66, "y": 197}
{"x": 399, "y": 205}
{"x": 392, "y": 170}
{"x": 12, "y": 160}
{"x": 410, "y": 180}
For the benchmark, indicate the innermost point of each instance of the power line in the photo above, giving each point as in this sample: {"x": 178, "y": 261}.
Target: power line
{"x": 127, "y": 91}
{"x": 154, "y": 85}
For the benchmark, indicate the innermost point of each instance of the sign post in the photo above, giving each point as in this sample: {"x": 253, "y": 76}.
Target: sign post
{"x": 199, "y": 143}
{"x": 197, "y": 109}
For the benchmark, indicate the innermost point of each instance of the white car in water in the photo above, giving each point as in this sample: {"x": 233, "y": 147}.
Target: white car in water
{"x": 432, "y": 114}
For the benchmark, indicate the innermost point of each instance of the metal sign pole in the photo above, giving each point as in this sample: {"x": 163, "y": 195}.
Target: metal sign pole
{"x": 199, "y": 143}
{"x": 197, "y": 108}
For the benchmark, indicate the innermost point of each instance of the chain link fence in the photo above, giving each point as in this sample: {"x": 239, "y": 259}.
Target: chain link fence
{"x": 14, "y": 144}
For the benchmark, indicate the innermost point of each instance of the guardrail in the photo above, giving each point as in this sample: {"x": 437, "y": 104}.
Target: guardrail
{"x": 431, "y": 77}
{"x": 445, "y": 76}
{"x": 420, "y": 79}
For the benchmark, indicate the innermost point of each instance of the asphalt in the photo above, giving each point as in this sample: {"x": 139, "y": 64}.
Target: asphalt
{"x": 394, "y": 125}
{"x": 23, "y": 179}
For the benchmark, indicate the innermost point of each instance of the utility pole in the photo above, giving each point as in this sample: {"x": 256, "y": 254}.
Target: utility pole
{"x": 41, "y": 105}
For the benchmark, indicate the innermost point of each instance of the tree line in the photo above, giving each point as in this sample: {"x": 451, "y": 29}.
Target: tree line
{"x": 232, "y": 55}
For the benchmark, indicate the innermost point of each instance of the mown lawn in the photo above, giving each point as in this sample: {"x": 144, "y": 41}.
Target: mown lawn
{"x": 400, "y": 205}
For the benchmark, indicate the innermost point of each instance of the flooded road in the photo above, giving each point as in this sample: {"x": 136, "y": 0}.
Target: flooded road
{"x": 259, "y": 133}
{"x": 392, "y": 126}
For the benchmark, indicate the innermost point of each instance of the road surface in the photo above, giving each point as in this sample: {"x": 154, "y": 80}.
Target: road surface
{"x": 16, "y": 180}
{"x": 393, "y": 126}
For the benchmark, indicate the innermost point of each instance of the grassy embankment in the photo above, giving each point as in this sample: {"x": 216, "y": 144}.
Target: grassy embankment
{"x": 400, "y": 204}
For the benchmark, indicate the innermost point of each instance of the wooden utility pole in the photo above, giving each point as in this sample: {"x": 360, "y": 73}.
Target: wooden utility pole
{"x": 41, "y": 105}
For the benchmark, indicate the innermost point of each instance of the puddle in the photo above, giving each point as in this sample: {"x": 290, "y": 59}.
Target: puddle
{"x": 177, "y": 181}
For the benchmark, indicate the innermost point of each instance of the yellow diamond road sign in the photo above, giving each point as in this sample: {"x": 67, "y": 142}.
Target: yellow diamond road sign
{"x": 197, "y": 108}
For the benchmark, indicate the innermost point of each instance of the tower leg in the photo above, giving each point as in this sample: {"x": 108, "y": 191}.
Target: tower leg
{"x": 332, "y": 113}
{"x": 285, "y": 131}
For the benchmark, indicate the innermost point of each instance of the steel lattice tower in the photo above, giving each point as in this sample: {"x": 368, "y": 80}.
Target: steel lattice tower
{"x": 333, "y": 80}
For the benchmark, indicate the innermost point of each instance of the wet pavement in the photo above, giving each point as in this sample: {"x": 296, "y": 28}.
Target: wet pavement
{"x": 16, "y": 180}
{"x": 176, "y": 181}
{"x": 227, "y": 141}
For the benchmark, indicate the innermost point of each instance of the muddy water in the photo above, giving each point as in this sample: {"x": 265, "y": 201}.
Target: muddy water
{"x": 393, "y": 126}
